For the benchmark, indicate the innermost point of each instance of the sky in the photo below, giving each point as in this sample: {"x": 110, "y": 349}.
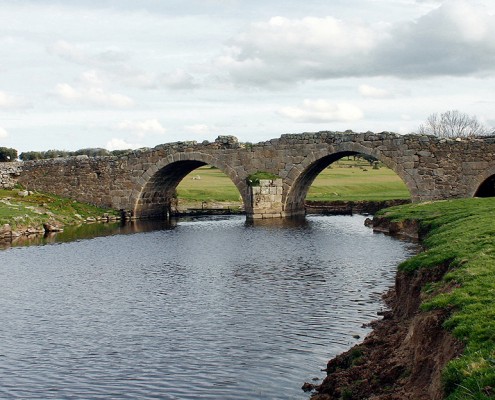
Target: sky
{"x": 124, "y": 74}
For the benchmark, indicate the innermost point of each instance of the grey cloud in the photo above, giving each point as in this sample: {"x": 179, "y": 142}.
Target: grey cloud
{"x": 455, "y": 39}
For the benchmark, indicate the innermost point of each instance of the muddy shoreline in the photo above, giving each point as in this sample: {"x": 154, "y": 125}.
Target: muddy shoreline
{"x": 403, "y": 357}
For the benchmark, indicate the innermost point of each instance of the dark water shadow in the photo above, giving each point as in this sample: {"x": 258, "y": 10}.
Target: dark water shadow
{"x": 299, "y": 222}
{"x": 89, "y": 231}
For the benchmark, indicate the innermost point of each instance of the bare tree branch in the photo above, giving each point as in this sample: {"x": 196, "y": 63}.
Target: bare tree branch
{"x": 453, "y": 124}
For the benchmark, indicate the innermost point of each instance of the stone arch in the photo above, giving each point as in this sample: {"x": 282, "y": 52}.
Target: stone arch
{"x": 300, "y": 178}
{"x": 484, "y": 186}
{"x": 153, "y": 197}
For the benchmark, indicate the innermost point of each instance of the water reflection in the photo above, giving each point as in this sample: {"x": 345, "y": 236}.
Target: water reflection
{"x": 210, "y": 308}
{"x": 299, "y": 222}
{"x": 88, "y": 231}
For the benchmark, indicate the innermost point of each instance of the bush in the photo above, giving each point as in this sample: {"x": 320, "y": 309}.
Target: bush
{"x": 7, "y": 154}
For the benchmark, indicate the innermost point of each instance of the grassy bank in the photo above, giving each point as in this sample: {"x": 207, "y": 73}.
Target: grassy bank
{"x": 345, "y": 180}
{"x": 461, "y": 234}
{"x": 37, "y": 208}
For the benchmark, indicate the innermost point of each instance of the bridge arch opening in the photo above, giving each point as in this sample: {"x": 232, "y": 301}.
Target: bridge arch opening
{"x": 346, "y": 176}
{"x": 487, "y": 188}
{"x": 208, "y": 189}
{"x": 158, "y": 196}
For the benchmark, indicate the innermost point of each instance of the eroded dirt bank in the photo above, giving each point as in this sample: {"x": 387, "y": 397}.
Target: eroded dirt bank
{"x": 402, "y": 358}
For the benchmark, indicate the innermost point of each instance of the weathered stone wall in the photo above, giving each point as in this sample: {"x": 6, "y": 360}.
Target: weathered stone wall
{"x": 88, "y": 179}
{"x": 9, "y": 172}
{"x": 144, "y": 181}
{"x": 266, "y": 199}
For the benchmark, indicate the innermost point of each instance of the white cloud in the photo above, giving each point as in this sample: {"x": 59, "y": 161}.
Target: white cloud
{"x": 373, "y": 92}
{"x": 8, "y": 101}
{"x": 79, "y": 55}
{"x": 92, "y": 78}
{"x": 68, "y": 51}
{"x": 120, "y": 144}
{"x": 117, "y": 65}
{"x": 285, "y": 49}
{"x": 322, "y": 111}
{"x": 96, "y": 96}
{"x": 3, "y": 133}
{"x": 179, "y": 79}
{"x": 142, "y": 128}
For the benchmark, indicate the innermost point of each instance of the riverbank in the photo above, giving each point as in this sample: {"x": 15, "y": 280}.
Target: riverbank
{"x": 438, "y": 338}
{"x": 24, "y": 213}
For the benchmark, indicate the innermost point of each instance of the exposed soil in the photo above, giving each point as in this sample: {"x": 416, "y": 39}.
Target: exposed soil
{"x": 402, "y": 358}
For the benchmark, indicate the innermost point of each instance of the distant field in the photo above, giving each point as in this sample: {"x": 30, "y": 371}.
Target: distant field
{"x": 345, "y": 180}
{"x": 349, "y": 180}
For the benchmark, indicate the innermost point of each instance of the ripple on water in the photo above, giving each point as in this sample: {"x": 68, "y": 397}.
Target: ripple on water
{"x": 205, "y": 309}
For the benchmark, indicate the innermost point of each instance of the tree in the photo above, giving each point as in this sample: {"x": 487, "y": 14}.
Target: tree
{"x": 30, "y": 155}
{"x": 453, "y": 124}
{"x": 92, "y": 152}
{"x": 7, "y": 154}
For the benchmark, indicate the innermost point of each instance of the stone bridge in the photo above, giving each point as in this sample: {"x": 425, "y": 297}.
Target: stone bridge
{"x": 144, "y": 181}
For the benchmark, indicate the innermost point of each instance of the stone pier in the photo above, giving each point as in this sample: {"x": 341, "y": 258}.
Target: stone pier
{"x": 266, "y": 200}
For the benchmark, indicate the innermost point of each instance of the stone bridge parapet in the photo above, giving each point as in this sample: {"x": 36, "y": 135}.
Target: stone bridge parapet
{"x": 144, "y": 181}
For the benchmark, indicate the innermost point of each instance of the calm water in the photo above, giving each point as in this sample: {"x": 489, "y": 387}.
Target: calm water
{"x": 210, "y": 309}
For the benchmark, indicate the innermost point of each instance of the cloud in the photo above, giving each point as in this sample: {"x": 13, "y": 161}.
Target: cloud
{"x": 8, "y": 101}
{"x": 3, "y": 133}
{"x": 68, "y": 52}
{"x": 120, "y": 144}
{"x": 91, "y": 78}
{"x": 284, "y": 49}
{"x": 322, "y": 111}
{"x": 77, "y": 54}
{"x": 117, "y": 65}
{"x": 96, "y": 96}
{"x": 142, "y": 128}
{"x": 457, "y": 38}
{"x": 179, "y": 79}
{"x": 373, "y": 92}
{"x": 198, "y": 129}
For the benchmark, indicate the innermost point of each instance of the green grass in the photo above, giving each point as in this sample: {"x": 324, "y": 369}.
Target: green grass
{"x": 38, "y": 208}
{"x": 461, "y": 233}
{"x": 346, "y": 180}
{"x": 351, "y": 180}
{"x": 212, "y": 186}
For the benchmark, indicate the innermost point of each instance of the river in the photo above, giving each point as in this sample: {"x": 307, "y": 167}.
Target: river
{"x": 214, "y": 308}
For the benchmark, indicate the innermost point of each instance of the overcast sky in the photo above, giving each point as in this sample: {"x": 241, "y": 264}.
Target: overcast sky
{"x": 121, "y": 73}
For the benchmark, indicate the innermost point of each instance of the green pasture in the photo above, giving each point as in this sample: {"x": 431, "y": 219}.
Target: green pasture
{"x": 346, "y": 179}
{"x": 208, "y": 185}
